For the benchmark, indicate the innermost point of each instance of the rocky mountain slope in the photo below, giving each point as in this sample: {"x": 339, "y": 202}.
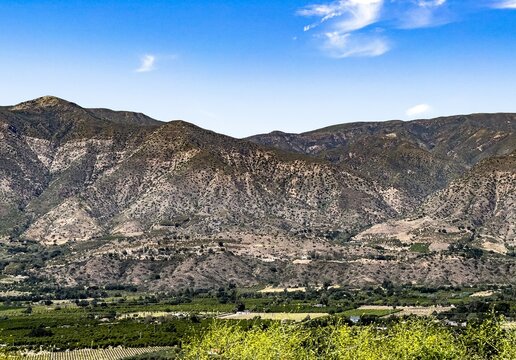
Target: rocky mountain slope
{"x": 477, "y": 210}
{"x": 417, "y": 157}
{"x": 51, "y": 149}
{"x": 127, "y": 199}
{"x": 74, "y": 174}
{"x": 484, "y": 199}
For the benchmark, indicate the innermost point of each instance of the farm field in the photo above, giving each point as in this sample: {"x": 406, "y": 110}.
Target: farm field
{"x": 91, "y": 354}
{"x": 273, "y": 290}
{"x": 119, "y": 319}
{"x": 152, "y": 314}
{"x": 273, "y": 316}
{"x": 404, "y": 310}
{"x": 374, "y": 311}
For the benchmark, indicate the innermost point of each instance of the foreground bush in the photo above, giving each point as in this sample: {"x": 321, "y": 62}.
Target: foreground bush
{"x": 231, "y": 342}
{"x": 410, "y": 340}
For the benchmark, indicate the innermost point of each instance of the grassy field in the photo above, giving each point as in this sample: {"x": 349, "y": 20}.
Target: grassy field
{"x": 379, "y": 310}
{"x": 273, "y": 316}
{"x": 273, "y": 290}
{"x": 370, "y": 312}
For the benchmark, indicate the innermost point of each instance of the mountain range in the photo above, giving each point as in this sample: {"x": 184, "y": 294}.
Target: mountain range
{"x": 128, "y": 199}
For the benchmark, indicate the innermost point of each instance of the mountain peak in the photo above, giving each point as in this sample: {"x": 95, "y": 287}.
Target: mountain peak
{"x": 43, "y": 102}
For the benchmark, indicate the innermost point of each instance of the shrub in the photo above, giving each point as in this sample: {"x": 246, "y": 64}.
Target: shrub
{"x": 231, "y": 342}
{"x": 412, "y": 339}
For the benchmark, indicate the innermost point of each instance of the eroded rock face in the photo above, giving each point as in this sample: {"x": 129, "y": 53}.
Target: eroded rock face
{"x": 69, "y": 221}
{"x": 485, "y": 200}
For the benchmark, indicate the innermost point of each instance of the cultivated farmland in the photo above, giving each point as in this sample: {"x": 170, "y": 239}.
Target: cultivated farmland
{"x": 91, "y": 354}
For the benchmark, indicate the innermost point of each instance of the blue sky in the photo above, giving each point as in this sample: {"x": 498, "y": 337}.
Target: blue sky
{"x": 247, "y": 67}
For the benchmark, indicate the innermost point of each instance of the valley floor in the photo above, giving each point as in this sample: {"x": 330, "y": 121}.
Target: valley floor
{"x": 118, "y": 323}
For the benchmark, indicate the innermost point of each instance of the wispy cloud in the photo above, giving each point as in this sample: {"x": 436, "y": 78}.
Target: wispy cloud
{"x": 424, "y": 14}
{"x": 357, "y": 27}
{"x": 345, "y": 18}
{"x": 351, "y": 14}
{"x": 147, "y": 63}
{"x": 418, "y": 110}
{"x": 341, "y": 45}
{"x": 505, "y": 4}
{"x": 431, "y": 3}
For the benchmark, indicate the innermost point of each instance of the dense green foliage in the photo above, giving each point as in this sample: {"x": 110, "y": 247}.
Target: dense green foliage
{"x": 407, "y": 340}
{"x": 75, "y": 330}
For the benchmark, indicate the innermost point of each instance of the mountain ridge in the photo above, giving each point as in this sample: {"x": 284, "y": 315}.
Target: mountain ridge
{"x": 116, "y": 189}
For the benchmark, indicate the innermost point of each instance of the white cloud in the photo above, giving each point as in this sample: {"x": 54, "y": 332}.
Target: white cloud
{"x": 346, "y": 17}
{"x": 345, "y": 28}
{"x": 348, "y": 24}
{"x": 427, "y": 13}
{"x": 351, "y": 15}
{"x": 342, "y": 45}
{"x": 506, "y": 4}
{"x": 147, "y": 63}
{"x": 431, "y": 3}
{"x": 418, "y": 110}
